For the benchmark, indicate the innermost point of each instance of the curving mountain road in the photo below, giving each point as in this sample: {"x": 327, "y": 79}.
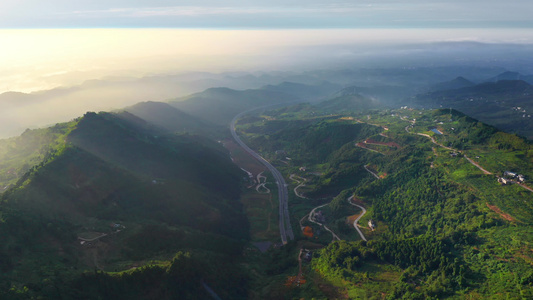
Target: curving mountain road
{"x": 370, "y": 171}
{"x": 285, "y": 228}
{"x": 357, "y": 220}
{"x": 300, "y": 184}
{"x": 311, "y": 218}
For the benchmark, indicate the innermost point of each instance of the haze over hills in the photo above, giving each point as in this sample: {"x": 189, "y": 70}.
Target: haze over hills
{"x": 457, "y": 83}
{"x": 220, "y": 105}
{"x": 505, "y": 104}
{"x": 19, "y": 111}
{"x": 310, "y": 93}
{"x": 348, "y": 102}
{"x": 511, "y": 76}
{"x": 387, "y": 85}
{"x": 170, "y": 118}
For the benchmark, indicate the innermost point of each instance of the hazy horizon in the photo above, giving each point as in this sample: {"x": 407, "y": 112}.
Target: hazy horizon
{"x": 41, "y": 59}
{"x": 136, "y": 48}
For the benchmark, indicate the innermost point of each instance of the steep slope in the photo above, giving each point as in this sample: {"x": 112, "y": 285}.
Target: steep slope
{"x": 161, "y": 194}
{"x": 19, "y": 154}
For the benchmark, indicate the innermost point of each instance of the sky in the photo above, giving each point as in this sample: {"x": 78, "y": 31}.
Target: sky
{"x": 44, "y": 44}
{"x": 253, "y": 14}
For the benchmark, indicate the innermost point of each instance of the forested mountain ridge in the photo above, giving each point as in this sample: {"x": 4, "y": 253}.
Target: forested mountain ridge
{"x": 113, "y": 193}
{"x": 19, "y": 154}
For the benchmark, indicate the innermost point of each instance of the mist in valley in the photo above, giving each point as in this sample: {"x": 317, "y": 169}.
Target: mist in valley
{"x": 54, "y": 75}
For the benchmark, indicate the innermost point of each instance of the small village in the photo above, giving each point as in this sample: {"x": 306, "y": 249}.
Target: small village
{"x": 511, "y": 177}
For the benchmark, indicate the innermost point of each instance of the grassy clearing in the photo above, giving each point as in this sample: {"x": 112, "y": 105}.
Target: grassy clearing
{"x": 261, "y": 210}
{"x": 380, "y": 279}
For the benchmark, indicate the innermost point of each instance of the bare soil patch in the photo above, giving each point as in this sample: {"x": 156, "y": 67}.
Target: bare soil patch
{"x": 497, "y": 210}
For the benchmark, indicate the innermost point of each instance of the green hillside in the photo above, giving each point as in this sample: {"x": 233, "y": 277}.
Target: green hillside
{"x": 347, "y": 102}
{"x": 445, "y": 227}
{"x": 112, "y": 196}
{"x": 19, "y": 154}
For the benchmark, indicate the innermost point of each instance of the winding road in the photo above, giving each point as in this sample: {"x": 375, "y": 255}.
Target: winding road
{"x": 261, "y": 184}
{"x": 357, "y": 220}
{"x": 475, "y": 164}
{"x": 370, "y": 171}
{"x": 311, "y": 218}
{"x": 285, "y": 227}
{"x": 300, "y": 184}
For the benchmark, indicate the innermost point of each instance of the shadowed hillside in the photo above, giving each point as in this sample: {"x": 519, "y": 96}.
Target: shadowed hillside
{"x": 170, "y": 118}
{"x": 164, "y": 193}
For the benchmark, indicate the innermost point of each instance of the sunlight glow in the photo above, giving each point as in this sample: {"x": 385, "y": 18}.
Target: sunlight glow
{"x": 36, "y": 59}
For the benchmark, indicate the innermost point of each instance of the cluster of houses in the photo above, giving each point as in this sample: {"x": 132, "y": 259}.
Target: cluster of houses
{"x": 511, "y": 177}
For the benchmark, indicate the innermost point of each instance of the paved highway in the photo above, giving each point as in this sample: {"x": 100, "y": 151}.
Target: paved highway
{"x": 285, "y": 228}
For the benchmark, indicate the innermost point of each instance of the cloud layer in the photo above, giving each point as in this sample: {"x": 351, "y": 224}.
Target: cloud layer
{"x": 271, "y": 14}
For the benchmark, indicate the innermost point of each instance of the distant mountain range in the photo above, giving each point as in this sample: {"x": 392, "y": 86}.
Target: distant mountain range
{"x": 457, "y": 83}
{"x": 511, "y": 76}
{"x": 310, "y": 93}
{"x": 347, "y": 102}
{"x": 220, "y": 105}
{"x": 506, "y": 104}
{"x": 19, "y": 111}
